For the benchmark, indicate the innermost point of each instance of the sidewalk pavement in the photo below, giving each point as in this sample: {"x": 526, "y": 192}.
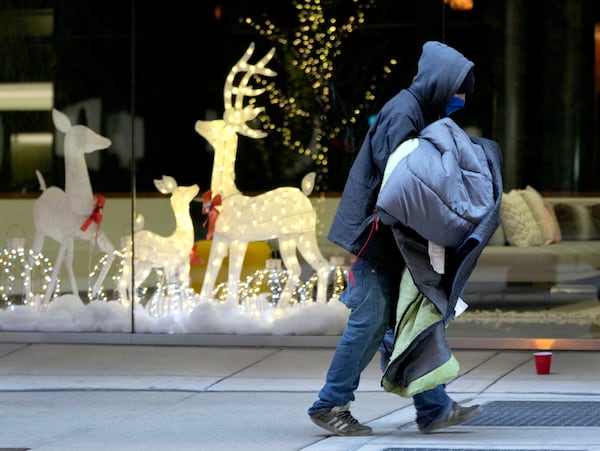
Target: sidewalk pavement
{"x": 75, "y": 397}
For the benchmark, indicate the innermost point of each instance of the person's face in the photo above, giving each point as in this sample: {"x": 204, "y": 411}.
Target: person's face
{"x": 460, "y": 96}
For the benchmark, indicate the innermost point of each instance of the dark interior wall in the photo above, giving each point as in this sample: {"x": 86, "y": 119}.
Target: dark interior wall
{"x": 548, "y": 121}
{"x": 166, "y": 65}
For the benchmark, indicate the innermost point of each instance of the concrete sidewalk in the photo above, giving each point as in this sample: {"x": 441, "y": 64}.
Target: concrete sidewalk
{"x": 73, "y": 397}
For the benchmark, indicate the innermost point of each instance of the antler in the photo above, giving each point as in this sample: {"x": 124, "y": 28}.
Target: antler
{"x": 237, "y": 115}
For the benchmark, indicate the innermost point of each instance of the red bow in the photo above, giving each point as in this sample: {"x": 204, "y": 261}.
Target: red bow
{"x": 209, "y": 207}
{"x": 96, "y": 215}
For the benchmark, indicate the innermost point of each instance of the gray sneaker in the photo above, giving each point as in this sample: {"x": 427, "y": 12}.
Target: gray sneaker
{"x": 339, "y": 421}
{"x": 456, "y": 415}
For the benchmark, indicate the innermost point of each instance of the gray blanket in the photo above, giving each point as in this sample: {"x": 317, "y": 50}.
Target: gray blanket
{"x": 438, "y": 184}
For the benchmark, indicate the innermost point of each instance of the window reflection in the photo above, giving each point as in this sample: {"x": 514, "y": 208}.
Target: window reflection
{"x": 143, "y": 74}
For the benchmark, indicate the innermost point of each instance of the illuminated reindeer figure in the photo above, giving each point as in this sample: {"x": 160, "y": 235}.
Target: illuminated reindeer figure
{"x": 74, "y": 212}
{"x": 172, "y": 252}
{"x": 284, "y": 213}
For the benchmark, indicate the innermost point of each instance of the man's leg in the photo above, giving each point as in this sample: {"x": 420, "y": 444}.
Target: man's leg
{"x": 436, "y": 410}
{"x": 431, "y": 404}
{"x": 367, "y": 298}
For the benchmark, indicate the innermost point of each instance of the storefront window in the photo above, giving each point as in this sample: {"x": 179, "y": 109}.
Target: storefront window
{"x": 109, "y": 128}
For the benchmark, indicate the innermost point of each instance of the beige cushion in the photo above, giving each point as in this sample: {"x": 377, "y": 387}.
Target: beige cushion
{"x": 543, "y": 215}
{"x": 556, "y": 235}
{"x": 519, "y": 224}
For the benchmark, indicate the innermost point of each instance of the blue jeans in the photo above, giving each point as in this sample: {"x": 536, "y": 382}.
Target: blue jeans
{"x": 432, "y": 404}
{"x": 369, "y": 299}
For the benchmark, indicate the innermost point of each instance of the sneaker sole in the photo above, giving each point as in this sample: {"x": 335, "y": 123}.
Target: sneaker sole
{"x": 473, "y": 413}
{"x": 339, "y": 432}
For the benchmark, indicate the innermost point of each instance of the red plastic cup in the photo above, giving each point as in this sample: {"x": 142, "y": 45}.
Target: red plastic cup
{"x": 542, "y": 362}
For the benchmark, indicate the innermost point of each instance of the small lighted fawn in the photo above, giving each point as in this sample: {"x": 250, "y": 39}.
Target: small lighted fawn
{"x": 283, "y": 213}
{"x": 171, "y": 252}
{"x": 74, "y": 212}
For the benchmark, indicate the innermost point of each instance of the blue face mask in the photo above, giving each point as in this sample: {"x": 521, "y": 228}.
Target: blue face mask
{"x": 456, "y": 103}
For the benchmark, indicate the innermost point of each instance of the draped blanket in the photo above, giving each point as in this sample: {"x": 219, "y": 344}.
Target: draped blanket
{"x": 421, "y": 358}
{"x": 443, "y": 188}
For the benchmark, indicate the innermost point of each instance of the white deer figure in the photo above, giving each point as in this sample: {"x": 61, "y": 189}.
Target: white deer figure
{"x": 284, "y": 213}
{"x": 74, "y": 212}
{"x": 172, "y": 252}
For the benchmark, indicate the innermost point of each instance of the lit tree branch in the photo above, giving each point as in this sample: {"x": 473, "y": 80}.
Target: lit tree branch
{"x": 309, "y": 54}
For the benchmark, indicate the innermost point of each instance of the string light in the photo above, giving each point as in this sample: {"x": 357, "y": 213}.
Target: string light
{"x": 285, "y": 213}
{"x": 156, "y": 293}
{"x": 104, "y": 294}
{"x": 312, "y": 49}
{"x": 24, "y": 276}
{"x": 338, "y": 276}
{"x": 166, "y": 296}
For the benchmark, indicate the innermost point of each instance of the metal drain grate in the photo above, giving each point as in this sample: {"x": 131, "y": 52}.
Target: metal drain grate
{"x": 467, "y": 449}
{"x": 539, "y": 413}
{"x": 470, "y": 449}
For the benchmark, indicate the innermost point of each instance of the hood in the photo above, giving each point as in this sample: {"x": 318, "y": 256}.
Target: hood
{"x": 441, "y": 71}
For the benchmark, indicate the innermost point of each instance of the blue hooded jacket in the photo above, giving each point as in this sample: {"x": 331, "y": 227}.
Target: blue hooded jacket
{"x": 441, "y": 71}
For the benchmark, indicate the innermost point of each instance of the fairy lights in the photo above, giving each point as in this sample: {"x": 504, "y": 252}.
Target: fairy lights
{"x": 104, "y": 293}
{"x": 285, "y": 213}
{"x": 24, "y": 274}
{"x": 309, "y": 53}
{"x": 155, "y": 253}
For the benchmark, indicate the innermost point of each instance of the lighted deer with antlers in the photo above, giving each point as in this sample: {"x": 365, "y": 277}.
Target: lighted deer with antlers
{"x": 74, "y": 212}
{"x": 170, "y": 252}
{"x": 284, "y": 213}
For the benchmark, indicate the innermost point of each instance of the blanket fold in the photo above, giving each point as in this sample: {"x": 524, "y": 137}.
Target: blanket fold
{"x": 422, "y": 358}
